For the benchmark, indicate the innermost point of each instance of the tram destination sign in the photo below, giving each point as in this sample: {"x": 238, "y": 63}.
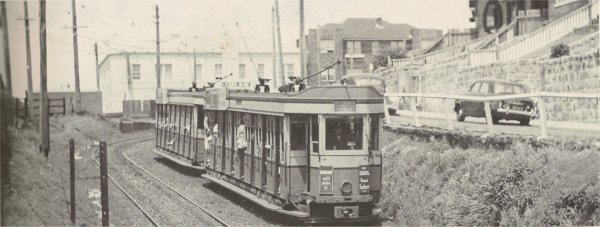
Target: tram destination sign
{"x": 344, "y": 106}
{"x": 326, "y": 178}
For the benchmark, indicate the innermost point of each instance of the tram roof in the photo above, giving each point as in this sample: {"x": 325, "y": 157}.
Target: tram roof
{"x": 313, "y": 94}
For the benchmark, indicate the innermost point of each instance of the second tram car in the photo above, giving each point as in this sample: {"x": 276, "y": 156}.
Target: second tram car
{"x": 314, "y": 154}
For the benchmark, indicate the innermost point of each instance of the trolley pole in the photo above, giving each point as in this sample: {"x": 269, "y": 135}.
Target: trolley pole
{"x": 72, "y": 169}
{"x": 104, "y": 183}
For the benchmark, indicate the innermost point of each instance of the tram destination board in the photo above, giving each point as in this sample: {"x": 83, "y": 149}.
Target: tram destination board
{"x": 344, "y": 106}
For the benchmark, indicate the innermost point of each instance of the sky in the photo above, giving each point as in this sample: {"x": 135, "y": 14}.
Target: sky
{"x": 185, "y": 25}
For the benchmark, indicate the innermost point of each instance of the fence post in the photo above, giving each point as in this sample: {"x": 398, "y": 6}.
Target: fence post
{"x": 542, "y": 106}
{"x": 385, "y": 110}
{"x": 16, "y": 112}
{"x": 104, "y": 183}
{"x": 446, "y": 114}
{"x": 413, "y": 106}
{"x": 598, "y": 104}
{"x": 64, "y": 106}
{"x": 72, "y": 170}
{"x": 488, "y": 116}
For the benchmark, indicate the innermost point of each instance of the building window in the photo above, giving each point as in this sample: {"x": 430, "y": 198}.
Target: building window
{"x": 290, "y": 70}
{"x": 242, "y": 71}
{"x": 261, "y": 70}
{"x": 168, "y": 70}
{"x": 327, "y": 46}
{"x": 353, "y": 47}
{"x": 218, "y": 69}
{"x": 375, "y": 47}
{"x": 135, "y": 71}
{"x": 198, "y": 70}
{"x": 328, "y": 75}
{"x": 398, "y": 44}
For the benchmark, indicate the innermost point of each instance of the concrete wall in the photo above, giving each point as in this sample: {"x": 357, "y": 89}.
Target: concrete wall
{"x": 567, "y": 74}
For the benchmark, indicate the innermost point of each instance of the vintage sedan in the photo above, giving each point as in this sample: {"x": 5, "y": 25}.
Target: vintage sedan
{"x": 522, "y": 110}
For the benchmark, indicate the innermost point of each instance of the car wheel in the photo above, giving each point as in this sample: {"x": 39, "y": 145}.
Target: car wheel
{"x": 495, "y": 120}
{"x": 392, "y": 111}
{"x": 460, "y": 116}
{"x": 524, "y": 122}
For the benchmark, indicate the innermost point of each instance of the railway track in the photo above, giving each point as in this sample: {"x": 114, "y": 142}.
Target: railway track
{"x": 145, "y": 201}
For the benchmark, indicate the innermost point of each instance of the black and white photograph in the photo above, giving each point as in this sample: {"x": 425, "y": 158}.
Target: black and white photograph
{"x": 299, "y": 113}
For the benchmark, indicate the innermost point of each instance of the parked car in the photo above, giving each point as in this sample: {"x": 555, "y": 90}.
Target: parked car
{"x": 522, "y": 110}
{"x": 377, "y": 81}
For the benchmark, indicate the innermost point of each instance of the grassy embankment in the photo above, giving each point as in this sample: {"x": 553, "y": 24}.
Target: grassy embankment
{"x": 433, "y": 183}
{"x": 37, "y": 192}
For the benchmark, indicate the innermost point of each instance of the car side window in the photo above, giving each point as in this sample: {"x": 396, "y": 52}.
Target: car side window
{"x": 475, "y": 87}
{"x": 485, "y": 87}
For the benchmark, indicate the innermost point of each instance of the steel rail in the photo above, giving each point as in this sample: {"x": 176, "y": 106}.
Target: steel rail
{"x": 123, "y": 189}
{"x": 174, "y": 190}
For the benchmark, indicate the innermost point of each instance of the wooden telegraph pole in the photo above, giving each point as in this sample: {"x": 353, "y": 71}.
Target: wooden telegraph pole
{"x": 29, "y": 74}
{"x": 6, "y": 50}
{"x": 195, "y": 65}
{"x": 76, "y": 58}
{"x": 302, "y": 41}
{"x": 45, "y": 129}
{"x": 158, "y": 68}
{"x": 281, "y": 67}
{"x": 97, "y": 71}
{"x": 274, "y": 51}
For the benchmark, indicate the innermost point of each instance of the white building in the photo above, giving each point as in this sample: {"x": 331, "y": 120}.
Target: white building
{"x": 132, "y": 76}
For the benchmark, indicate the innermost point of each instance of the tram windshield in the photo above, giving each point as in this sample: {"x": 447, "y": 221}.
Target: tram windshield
{"x": 344, "y": 133}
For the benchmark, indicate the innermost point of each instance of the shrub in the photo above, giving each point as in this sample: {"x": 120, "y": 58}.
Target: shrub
{"x": 381, "y": 59}
{"x": 430, "y": 183}
{"x": 559, "y": 51}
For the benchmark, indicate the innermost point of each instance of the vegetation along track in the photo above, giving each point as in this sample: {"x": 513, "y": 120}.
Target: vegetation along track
{"x": 151, "y": 195}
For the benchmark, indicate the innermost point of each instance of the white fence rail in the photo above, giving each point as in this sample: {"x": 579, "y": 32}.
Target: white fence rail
{"x": 487, "y": 99}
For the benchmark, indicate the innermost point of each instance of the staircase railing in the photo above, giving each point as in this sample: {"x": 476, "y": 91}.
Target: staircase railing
{"x": 437, "y": 56}
{"x": 521, "y": 45}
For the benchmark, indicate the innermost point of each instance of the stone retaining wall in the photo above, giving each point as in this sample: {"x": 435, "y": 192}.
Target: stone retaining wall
{"x": 567, "y": 74}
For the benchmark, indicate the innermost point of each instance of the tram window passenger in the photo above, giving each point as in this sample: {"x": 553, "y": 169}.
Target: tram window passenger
{"x": 344, "y": 133}
{"x": 298, "y": 136}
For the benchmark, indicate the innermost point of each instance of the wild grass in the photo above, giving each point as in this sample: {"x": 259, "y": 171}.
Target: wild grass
{"x": 431, "y": 183}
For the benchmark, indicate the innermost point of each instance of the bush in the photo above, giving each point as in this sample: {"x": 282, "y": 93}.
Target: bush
{"x": 381, "y": 59}
{"x": 559, "y": 51}
{"x": 430, "y": 183}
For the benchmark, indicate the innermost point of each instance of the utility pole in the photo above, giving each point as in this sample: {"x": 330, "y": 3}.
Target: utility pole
{"x": 318, "y": 54}
{"x": 302, "y": 41}
{"x": 158, "y": 68}
{"x": 4, "y": 26}
{"x": 281, "y": 67}
{"x": 274, "y": 51}
{"x": 76, "y": 58}
{"x": 195, "y": 66}
{"x": 45, "y": 129}
{"x": 97, "y": 70}
{"x": 29, "y": 74}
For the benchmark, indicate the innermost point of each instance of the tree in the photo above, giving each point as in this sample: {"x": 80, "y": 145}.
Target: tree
{"x": 381, "y": 59}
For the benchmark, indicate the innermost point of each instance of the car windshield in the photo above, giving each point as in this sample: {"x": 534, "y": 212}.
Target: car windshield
{"x": 344, "y": 133}
{"x": 508, "y": 89}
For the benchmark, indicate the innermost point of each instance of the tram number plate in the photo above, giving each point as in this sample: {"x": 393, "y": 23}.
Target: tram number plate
{"x": 346, "y": 212}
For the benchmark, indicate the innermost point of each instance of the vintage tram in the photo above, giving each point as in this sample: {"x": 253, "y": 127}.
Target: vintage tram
{"x": 314, "y": 154}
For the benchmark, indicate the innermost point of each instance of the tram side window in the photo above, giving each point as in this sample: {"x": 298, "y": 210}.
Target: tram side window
{"x": 344, "y": 133}
{"x": 374, "y": 140}
{"x": 298, "y": 136}
{"x": 200, "y": 117}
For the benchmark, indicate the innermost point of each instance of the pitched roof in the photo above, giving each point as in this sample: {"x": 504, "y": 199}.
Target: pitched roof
{"x": 368, "y": 29}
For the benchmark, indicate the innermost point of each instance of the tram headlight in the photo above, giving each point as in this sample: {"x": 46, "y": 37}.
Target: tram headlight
{"x": 346, "y": 188}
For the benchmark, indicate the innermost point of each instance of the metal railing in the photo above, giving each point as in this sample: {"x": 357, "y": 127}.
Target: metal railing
{"x": 486, "y": 100}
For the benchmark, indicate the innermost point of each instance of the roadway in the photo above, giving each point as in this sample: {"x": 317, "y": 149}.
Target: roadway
{"x": 571, "y": 130}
